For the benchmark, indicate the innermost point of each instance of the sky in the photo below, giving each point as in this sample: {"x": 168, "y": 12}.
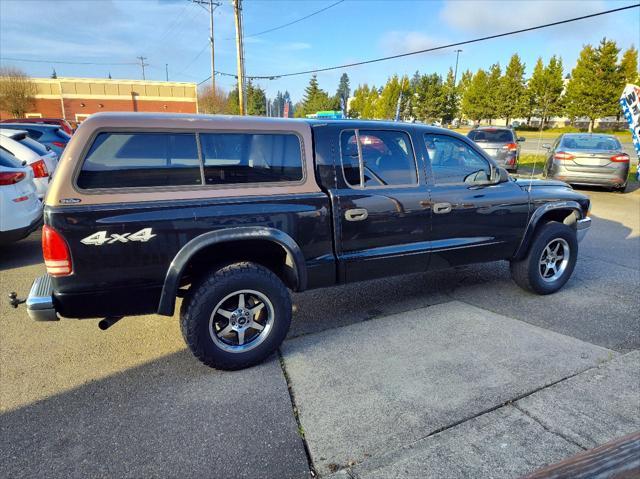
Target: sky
{"x": 110, "y": 34}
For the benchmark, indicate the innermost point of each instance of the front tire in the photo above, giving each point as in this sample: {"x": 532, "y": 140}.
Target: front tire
{"x": 550, "y": 260}
{"x": 236, "y": 317}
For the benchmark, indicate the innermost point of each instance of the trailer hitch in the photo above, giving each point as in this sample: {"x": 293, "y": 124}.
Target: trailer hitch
{"x": 14, "y": 301}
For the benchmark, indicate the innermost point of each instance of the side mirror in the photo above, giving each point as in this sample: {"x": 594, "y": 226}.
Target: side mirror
{"x": 503, "y": 175}
{"x": 521, "y": 139}
{"x": 546, "y": 146}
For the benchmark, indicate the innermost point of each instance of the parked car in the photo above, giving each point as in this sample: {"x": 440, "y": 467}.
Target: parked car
{"x": 231, "y": 213}
{"x": 64, "y": 124}
{"x": 50, "y": 136}
{"x": 20, "y": 210}
{"x": 43, "y": 162}
{"x": 501, "y": 144}
{"x": 588, "y": 159}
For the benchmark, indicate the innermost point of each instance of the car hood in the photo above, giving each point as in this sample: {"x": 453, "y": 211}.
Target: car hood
{"x": 525, "y": 183}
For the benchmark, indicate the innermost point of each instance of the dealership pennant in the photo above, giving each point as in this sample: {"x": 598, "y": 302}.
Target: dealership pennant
{"x": 630, "y": 102}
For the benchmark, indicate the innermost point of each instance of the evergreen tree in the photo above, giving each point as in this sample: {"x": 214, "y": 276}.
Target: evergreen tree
{"x": 461, "y": 88}
{"x": 493, "y": 92}
{"x": 596, "y": 83}
{"x": 315, "y": 99}
{"x": 476, "y": 102}
{"x": 429, "y": 98}
{"x": 629, "y": 66}
{"x": 256, "y": 100}
{"x": 450, "y": 98}
{"x": 343, "y": 92}
{"x": 364, "y": 101}
{"x": 512, "y": 91}
{"x": 54, "y": 74}
{"x": 387, "y": 103}
{"x": 544, "y": 98}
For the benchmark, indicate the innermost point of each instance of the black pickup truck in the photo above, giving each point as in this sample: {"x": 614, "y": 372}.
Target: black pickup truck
{"x": 230, "y": 213}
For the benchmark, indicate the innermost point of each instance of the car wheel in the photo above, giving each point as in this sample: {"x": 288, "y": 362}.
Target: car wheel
{"x": 236, "y": 316}
{"x": 550, "y": 260}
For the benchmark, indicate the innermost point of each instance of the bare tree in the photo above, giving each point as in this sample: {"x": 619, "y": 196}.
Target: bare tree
{"x": 17, "y": 92}
{"x": 210, "y": 101}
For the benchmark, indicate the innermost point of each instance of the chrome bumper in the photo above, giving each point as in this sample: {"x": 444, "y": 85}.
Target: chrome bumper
{"x": 582, "y": 226}
{"x": 40, "y": 300}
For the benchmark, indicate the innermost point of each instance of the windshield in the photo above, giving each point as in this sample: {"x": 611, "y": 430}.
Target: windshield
{"x": 491, "y": 136}
{"x": 590, "y": 142}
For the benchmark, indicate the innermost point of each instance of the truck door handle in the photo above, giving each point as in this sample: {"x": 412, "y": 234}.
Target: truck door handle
{"x": 356, "y": 214}
{"x": 441, "y": 208}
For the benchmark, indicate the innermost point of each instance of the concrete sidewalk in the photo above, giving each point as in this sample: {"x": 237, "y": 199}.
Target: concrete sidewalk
{"x": 453, "y": 390}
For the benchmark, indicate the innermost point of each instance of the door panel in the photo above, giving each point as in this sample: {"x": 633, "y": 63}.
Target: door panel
{"x": 470, "y": 223}
{"x": 381, "y": 202}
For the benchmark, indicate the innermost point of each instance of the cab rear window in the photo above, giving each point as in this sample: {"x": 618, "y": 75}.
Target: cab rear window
{"x": 130, "y": 160}
{"x": 133, "y": 160}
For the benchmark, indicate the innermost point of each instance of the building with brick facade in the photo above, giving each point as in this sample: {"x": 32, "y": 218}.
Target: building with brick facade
{"x": 74, "y": 99}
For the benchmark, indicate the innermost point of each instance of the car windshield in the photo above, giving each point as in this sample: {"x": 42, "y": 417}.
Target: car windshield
{"x": 590, "y": 142}
{"x": 491, "y": 136}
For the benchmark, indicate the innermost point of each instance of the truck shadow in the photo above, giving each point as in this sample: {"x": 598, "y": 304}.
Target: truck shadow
{"x": 172, "y": 417}
{"x": 25, "y": 252}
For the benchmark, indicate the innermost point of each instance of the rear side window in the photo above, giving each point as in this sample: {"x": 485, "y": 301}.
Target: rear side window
{"x": 8, "y": 160}
{"x": 377, "y": 158}
{"x": 39, "y": 148}
{"x": 237, "y": 158}
{"x": 34, "y": 134}
{"x": 491, "y": 136}
{"x": 126, "y": 160}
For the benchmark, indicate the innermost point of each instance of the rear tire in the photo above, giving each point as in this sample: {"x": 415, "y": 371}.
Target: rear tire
{"x": 236, "y": 317}
{"x": 550, "y": 260}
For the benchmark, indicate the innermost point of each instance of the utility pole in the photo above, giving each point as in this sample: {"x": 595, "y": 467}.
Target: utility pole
{"x": 237, "y": 11}
{"x": 166, "y": 70}
{"x": 455, "y": 74}
{"x": 143, "y": 64}
{"x": 211, "y": 7}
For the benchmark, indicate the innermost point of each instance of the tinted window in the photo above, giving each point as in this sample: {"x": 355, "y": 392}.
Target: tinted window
{"x": 386, "y": 158}
{"x": 236, "y": 158}
{"x": 491, "y": 136}
{"x": 590, "y": 142}
{"x": 34, "y": 134}
{"x": 121, "y": 160}
{"x": 454, "y": 162}
{"x": 39, "y": 148}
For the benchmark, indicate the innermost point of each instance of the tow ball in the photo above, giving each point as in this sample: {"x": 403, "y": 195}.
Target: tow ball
{"x": 14, "y": 301}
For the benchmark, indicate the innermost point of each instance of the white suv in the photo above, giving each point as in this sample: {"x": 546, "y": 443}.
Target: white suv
{"x": 20, "y": 209}
{"x": 42, "y": 161}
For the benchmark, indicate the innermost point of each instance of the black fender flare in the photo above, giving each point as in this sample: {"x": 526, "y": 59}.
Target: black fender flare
{"x": 167, "y": 303}
{"x": 568, "y": 205}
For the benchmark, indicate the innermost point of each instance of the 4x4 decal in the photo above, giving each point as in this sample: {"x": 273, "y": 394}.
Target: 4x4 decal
{"x": 100, "y": 238}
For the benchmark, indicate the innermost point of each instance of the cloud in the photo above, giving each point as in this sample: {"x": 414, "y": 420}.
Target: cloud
{"x": 495, "y": 16}
{"x": 295, "y": 46}
{"x": 395, "y": 42}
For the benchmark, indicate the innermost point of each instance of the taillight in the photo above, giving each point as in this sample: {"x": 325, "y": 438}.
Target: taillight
{"x": 621, "y": 158}
{"x": 510, "y": 147}
{"x": 56, "y": 252}
{"x": 561, "y": 155}
{"x": 11, "y": 178}
{"x": 59, "y": 144}
{"x": 39, "y": 169}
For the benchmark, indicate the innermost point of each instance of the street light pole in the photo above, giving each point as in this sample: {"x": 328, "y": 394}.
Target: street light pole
{"x": 455, "y": 74}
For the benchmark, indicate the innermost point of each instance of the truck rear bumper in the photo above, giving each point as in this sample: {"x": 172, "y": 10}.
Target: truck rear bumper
{"x": 40, "y": 300}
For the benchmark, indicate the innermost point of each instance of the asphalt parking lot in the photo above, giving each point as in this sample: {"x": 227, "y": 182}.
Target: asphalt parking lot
{"x": 448, "y": 374}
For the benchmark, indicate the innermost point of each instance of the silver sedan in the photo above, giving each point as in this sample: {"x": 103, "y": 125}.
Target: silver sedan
{"x": 588, "y": 159}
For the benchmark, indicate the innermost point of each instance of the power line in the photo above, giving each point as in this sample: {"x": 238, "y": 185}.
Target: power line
{"x": 441, "y": 47}
{"x": 294, "y": 21}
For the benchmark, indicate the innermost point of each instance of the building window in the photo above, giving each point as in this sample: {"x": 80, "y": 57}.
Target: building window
{"x": 33, "y": 115}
